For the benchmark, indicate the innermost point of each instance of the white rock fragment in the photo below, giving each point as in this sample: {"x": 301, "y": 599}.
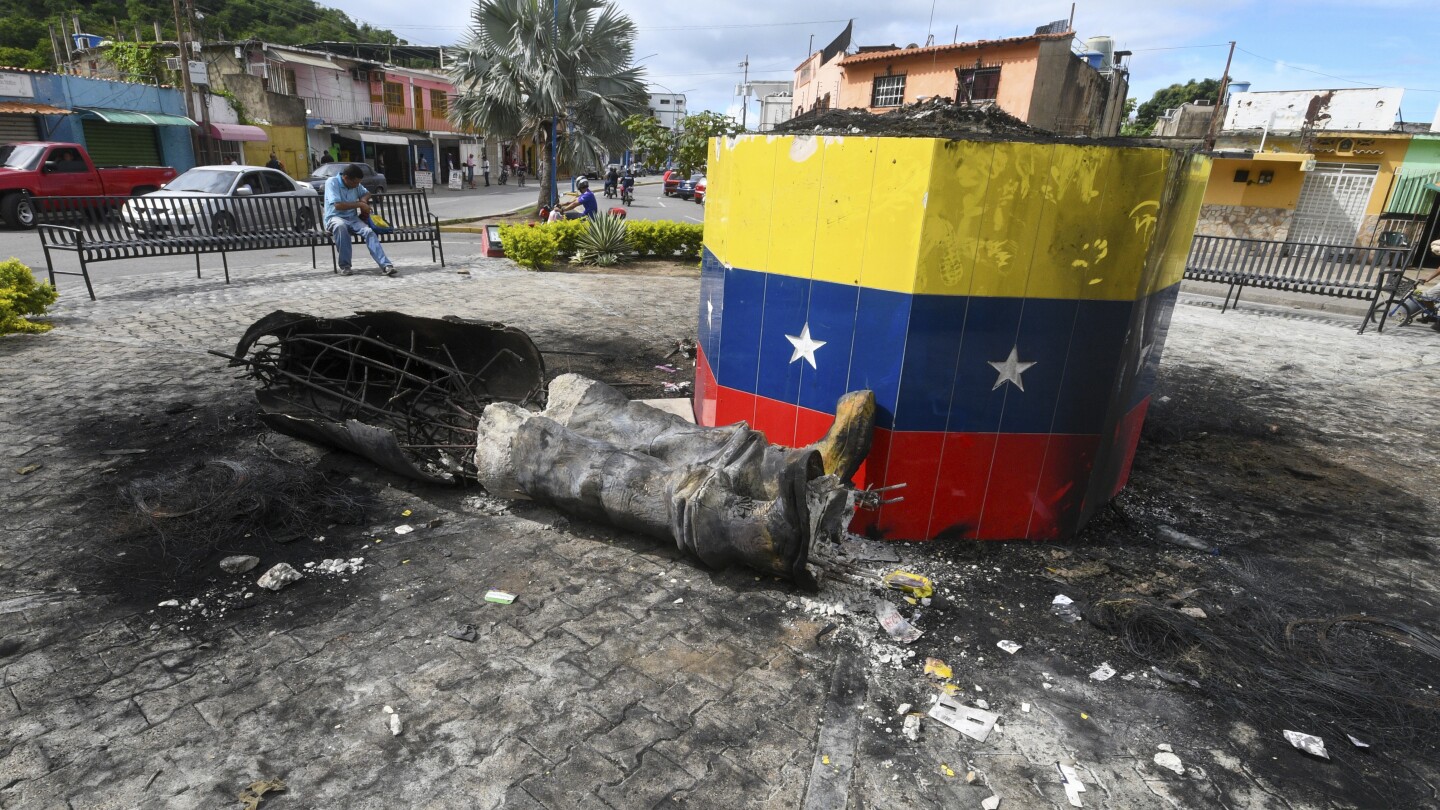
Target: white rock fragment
{"x": 1008, "y": 646}
{"x": 1193, "y": 612}
{"x": 404, "y": 529}
{"x": 239, "y": 564}
{"x": 903, "y": 709}
{"x": 278, "y": 577}
{"x": 1104, "y": 672}
{"x": 1165, "y": 759}
{"x": 1025, "y": 707}
{"x": 912, "y": 727}
{"x": 991, "y": 803}
{"x": 170, "y": 603}
{"x": 395, "y": 725}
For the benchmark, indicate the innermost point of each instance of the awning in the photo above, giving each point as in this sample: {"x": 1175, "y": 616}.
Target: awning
{"x": 29, "y": 108}
{"x": 303, "y": 59}
{"x": 375, "y": 137}
{"x": 132, "y": 117}
{"x": 237, "y": 132}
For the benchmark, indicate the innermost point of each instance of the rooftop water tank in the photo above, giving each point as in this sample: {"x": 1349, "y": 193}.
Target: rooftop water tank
{"x": 83, "y": 41}
{"x": 1105, "y": 46}
{"x": 1237, "y": 87}
{"x": 1094, "y": 58}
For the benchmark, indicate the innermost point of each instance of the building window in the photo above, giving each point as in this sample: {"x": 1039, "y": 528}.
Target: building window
{"x": 439, "y": 104}
{"x": 394, "y": 97}
{"x": 978, "y": 84}
{"x": 888, "y": 91}
{"x": 664, "y": 101}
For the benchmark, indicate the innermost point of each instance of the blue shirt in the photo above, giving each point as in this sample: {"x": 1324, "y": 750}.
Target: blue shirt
{"x": 588, "y": 202}
{"x": 336, "y": 192}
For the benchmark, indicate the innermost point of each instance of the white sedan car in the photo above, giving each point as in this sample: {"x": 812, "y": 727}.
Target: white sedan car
{"x": 225, "y": 200}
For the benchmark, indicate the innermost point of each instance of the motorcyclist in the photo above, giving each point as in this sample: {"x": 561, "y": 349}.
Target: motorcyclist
{"x": 627, "y": 187}
{"x": 610, "y": 177}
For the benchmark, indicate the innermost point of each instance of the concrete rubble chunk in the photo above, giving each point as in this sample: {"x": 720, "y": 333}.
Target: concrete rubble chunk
{"x": 239, "y": 564}
{"x": 278, "y": 577}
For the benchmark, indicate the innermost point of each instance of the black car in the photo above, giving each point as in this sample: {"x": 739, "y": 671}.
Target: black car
{"x": 686, "y": 189}
{"x": 374, "y": 182}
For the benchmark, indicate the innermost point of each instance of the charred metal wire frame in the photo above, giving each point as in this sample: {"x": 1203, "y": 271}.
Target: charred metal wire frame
{"x": 403, "y": 391}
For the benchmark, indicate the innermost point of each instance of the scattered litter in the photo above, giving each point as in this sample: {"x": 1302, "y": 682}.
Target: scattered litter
{"x": 170, "y": 603}
{"x": 973, "y": 723}
{"x": 1064, "y": 607}
{"x": 826, "y": 629}
{"x": 676, "y": 387}
{"x": 869, "y": 550}
{"x": 903, "y": 709}
{"x": 1073, "y": 786}
{"x": 912, "y": 727}
{"x": 952, "y": 689}
{"x": 252, "y": 795}
{"x": 1357, "y": 743}
{"x": 678, "y": 601}
{"x": 463, "y": 632}
{"x": 499, "y": 597}
{"x": 981, "y": 704}
{"x": 1084, "y": 716}
{"x": 1094, "y": 568}
{"x": 1103, "y": 673}
{"x": 339, "y": 566}
{"x": 1179, "y": 538}
{"x": 395, "y": 725}
{"x": 822, "y": 608}
{"x": 406, "y": 513}
{"x": 28, "y": 468}
{"x": 991, "y": 803}
{"x": 1174, "y": 677}
{"x": 1009, "y": 646}
{"x": 894, "y": 624}
{"x": 278, "y": 577}
{"x": 1025, "y": 707}
{"x": 938, "y": 669}
{"x": 131, "y": 451}
{"x": 239, "y": 564}
{"x": 1165, "y": 759}
{"x": 970, "y": 778}
{"x": 914, "y": 584}
{"x": 1308, "y": 743}
{"x": 946, "y": 769}
{"x": 1194, "y": 612}
{"x": 667, "y": 368}
{"x": 404, "y": 528}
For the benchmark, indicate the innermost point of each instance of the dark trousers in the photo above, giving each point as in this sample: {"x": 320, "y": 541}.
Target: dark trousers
{"x": 487, "y": 177}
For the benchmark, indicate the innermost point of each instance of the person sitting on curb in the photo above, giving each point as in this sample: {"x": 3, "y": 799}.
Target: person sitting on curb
{"x": 586, "y": 199}
{"x": 346, "y": 201}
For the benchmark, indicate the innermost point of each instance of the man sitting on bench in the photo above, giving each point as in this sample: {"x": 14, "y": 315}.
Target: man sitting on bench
{"x": 346, "y": 201}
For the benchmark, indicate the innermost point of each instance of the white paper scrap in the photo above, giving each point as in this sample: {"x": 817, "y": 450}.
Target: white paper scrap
{"x": 1308, "y": 743}
{"x": 1104, "y": 672}
{"x": 1073, "y": 786}
{"x": 1008, "y": 646}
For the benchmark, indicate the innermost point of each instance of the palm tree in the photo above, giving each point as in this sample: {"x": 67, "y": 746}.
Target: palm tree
{"x": 529, "y": 63}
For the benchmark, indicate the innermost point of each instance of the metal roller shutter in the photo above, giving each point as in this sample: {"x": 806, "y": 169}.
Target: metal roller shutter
{"x": 18, "y": 128}
{"x": 122, "y": 144}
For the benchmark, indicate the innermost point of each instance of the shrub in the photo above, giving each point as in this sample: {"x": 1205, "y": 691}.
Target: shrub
{"x": 603, "y": 242}
{"x": 567, "y": 234}
{"x": 665, "y": 239}
{"x": 22, "y": 295}
{"x": 532, "y": 246}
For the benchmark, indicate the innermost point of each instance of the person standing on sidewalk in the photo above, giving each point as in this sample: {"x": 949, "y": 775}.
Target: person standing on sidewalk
{"x": 485, "y": 170}
{"x": 520, "y": 173}
{"x": 346, "y": 201}
{"x": 470, "y": 169}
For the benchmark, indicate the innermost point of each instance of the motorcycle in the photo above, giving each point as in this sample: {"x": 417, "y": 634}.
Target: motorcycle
{"x": 627, "y": 194}
{"x": 504, "y": 175}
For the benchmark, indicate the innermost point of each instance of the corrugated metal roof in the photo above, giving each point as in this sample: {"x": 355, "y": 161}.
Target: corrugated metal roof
{"x": 879, "y": 56}
{"x": 29, "y": 108}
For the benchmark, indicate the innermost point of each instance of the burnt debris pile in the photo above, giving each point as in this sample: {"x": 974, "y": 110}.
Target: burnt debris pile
{"x": 404, "y": 392}
{"x": 932, "y": 118}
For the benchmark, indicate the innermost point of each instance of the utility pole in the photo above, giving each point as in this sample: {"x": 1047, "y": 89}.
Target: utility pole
{"x": 54, "y": 47}
{"x": 1210, "y": 132}
{"x": 182, "y": 43}
{"x": 745, "y": 91}
{"x": 205, "y": 93}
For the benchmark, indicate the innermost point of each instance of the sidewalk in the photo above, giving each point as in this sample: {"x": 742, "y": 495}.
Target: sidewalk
{"x": 623, "y": 676}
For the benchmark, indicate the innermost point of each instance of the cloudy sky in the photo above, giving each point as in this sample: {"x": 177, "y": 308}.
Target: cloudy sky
{"x": 1280, "y": 44}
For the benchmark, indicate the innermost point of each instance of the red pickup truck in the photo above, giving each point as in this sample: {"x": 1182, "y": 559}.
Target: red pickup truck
{"x": 32, "y": 171}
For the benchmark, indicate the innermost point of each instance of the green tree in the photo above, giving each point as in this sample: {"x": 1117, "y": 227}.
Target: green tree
{"x": 1169, "y": 98}
{"x": 651, "y": 142}
{"x": 692, "y": 146}
{"x": 522, "y": 70}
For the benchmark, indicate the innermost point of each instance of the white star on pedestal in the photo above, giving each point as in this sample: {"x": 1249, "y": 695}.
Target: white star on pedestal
{"x": 1010, "y": 369}
{"x": 709, "y": 313}
{"x": 805, "y": 346}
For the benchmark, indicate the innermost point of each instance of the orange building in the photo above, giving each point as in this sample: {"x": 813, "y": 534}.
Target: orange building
{"x": 1040, "y": 79}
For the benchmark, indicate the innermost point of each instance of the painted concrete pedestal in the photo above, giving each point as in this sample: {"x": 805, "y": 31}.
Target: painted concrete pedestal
{"x": 1006, "y": 301}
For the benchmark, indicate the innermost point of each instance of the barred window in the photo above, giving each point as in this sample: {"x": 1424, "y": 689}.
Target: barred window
{"x": 888, "y": 91}
{"x": 394, "y": 97}
{"x": 979, "y": 84}
{"x": 439, "y": 104}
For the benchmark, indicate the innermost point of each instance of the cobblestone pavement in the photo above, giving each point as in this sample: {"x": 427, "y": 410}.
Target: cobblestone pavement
{"x": 623, "y": 676}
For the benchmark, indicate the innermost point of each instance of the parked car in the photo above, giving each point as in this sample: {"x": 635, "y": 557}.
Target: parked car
{"x": 686, "y": 189}
{"x": 671, "y": 182}
{"x": 210, "y": 200}
{"x": 33, "y": 170}
{"x": 700, "y": 191}
{"x": 373, "y": 181}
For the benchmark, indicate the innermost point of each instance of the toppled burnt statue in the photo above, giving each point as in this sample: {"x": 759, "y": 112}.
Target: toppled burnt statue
{"x": 723, "y": 494}
{"x": 402, "y": 391}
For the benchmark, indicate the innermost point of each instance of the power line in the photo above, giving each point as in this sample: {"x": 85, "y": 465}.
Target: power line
{"x": 1328, "y": 75}
{"x": 740, "y": 25}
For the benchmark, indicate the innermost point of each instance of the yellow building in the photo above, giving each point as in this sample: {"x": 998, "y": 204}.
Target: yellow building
{"x": 289, "y": 144}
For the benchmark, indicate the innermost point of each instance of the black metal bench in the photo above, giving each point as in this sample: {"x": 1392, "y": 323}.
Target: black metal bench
{"x": 408, "y": 215}
{"x": 1338, "y": 271}
{"x": 99, "y": 229}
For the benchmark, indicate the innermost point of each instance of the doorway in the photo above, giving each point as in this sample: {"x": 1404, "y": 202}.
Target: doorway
{"x": 1331, "y": 209}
